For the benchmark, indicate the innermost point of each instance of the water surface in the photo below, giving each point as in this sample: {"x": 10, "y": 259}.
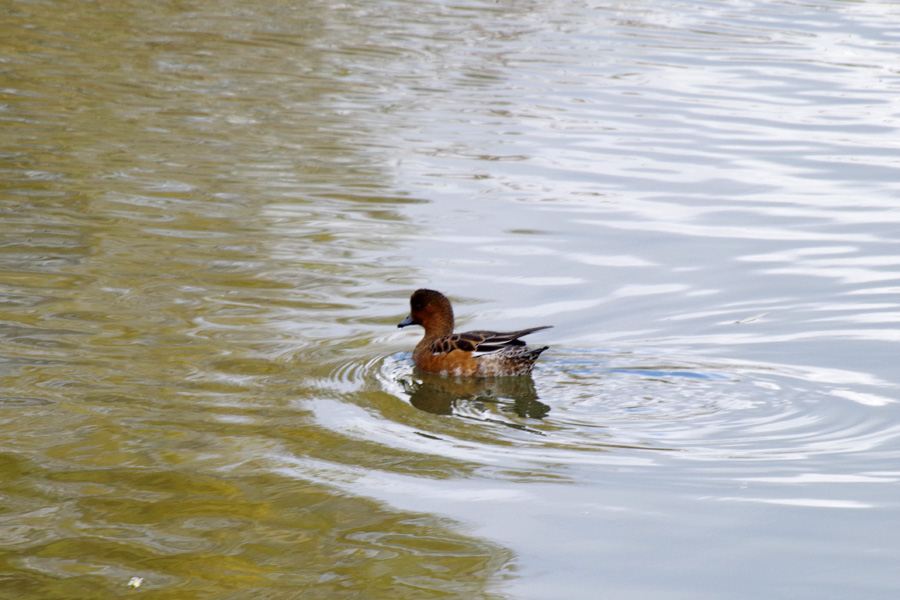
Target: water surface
{"x": 213, "y": 216}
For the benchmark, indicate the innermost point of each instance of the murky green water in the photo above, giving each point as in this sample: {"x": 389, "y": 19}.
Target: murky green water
{"x": 212, "y": 216}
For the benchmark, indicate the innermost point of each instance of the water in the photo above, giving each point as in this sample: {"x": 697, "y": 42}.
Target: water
{"x": 213, "y": 216}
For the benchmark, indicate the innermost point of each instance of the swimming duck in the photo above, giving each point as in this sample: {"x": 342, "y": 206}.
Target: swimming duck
{"x": 470, "y": 354}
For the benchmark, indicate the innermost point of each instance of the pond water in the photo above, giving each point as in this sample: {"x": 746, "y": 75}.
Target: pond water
{"x": 213, "y": 215}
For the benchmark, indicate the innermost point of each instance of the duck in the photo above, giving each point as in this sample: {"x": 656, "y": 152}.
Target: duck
{"x": 469, "y": 354}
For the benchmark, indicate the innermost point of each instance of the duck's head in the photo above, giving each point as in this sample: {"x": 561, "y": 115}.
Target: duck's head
{"x": 431, "y": 310}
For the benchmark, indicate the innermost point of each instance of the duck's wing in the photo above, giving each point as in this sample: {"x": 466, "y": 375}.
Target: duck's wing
{"x": 481, "y": 341}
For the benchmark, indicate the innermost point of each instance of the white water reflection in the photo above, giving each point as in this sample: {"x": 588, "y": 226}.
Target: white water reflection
{"x": 805, "y": 502}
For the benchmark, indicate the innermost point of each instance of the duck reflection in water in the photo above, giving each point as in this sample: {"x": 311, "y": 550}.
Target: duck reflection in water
{"x": 447, "y": 395}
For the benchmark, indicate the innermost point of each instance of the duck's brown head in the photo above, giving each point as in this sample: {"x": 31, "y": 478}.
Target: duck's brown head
{"x": 431, "y": 310}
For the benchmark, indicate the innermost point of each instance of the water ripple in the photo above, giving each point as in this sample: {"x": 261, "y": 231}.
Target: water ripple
{"x": 616, "y": 408}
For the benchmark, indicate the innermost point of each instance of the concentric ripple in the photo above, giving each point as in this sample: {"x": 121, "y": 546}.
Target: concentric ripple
{"x": 712, "y": 409}
{"x": 587, "y": 405}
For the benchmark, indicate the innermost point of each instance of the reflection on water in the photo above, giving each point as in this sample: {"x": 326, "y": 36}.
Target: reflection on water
{"x": 457, "y": 395}
{"x": 211, "y": 218}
